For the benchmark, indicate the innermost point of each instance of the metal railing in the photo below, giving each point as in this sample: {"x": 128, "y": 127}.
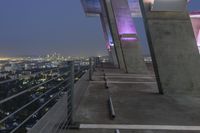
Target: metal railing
{"x": 67, "y": 122}
{"x": 92, "y": 64}
{"x": 23, "y": 109}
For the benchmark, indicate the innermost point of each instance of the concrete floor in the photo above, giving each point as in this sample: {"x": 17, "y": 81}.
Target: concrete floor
{"x": 127, "y": 131}
{"x": 136, "y": 102}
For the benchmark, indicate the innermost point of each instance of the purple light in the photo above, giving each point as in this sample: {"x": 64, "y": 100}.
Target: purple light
{"x": 123, "y": 16}
{"x": 111, "y": 44}
{"x": 198, "y": 39}
{"x": 126, "y": 27}
{"x": 129, "y": 39}
{"x": 108, "y": 46}
{"x": 110, "y": 40}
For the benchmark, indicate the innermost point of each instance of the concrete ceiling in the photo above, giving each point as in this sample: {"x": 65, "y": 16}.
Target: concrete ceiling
{"x": 94, "y": 7}
{"x": 91, "y": 6}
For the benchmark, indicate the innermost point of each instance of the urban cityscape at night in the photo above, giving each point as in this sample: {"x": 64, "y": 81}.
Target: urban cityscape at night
{"x": 27, "y": 83}
{"x": 100, "y": 66}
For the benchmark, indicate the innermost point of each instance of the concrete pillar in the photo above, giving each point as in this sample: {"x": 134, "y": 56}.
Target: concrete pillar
{"x": 107, "y": 11}
{"x": 173, "y": 46}
{"x": 124, "y": 36}
{"x": 109, "y": 40}
{"x": 195, "y": 18}
{"x": 114, "y": 57}
{"x": 110, "y": 57}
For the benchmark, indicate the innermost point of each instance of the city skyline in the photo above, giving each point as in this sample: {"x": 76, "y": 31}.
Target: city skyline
{"x": 41, "y": 27}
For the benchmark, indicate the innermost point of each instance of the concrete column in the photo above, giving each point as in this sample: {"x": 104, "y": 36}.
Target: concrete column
{"x": 109, "y": 40}
{"x": 114, "y": 57}
{"x": 107, "y": 11}
{"x": 110, "y": 57}
{"x": 124, "y": 36}
{"x": 173, "y": 47}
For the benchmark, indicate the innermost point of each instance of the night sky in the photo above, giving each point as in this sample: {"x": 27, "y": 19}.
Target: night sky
{"x": 38, "y": 27}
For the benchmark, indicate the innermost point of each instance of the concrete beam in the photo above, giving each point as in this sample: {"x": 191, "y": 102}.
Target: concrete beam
{"x": 173, "y": 48}
{"x": 91, "y": 7}
{"x": 134, "y": 8}
{"x": 107, "y": 11}
{"x": 109, "y": 40}
{"x": 168, "y": 5}
{"x": 114, "y": 56}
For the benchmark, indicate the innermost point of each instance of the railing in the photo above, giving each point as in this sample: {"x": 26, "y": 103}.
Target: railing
{"x": 67, "y": 122}
{"x": 25, "y": 101}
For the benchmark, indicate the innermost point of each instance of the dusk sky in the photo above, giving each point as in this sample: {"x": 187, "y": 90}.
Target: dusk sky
{"x": 38, "y": 27}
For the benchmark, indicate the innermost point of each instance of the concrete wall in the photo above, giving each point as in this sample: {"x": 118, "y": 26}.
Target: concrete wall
{"x": 175, "y": 53}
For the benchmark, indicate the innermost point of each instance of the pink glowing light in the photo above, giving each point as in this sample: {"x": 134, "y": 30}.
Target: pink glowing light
{"x": 126, "y": 27}
{"x": 108, "y": 46}
{"x": 129, "y": 39}
{"x": 111, "y": 44}
{"x": 198, "y": 39}
{"x": 152, "y": 1}
{"x": 149, "y": 1}
{"x": 123, "y": 17}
